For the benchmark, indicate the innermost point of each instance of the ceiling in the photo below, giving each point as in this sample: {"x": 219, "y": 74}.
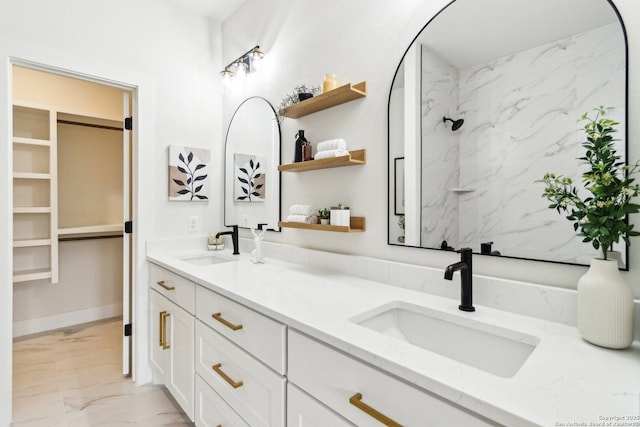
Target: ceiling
{"x": 471, "y": 32}
{"x": 216, "y": 9}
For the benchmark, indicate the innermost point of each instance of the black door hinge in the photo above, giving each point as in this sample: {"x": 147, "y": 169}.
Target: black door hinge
{"x": 128, "y": 227}
{"x": 128, "y": 123}
{"x": 127, "y": 330}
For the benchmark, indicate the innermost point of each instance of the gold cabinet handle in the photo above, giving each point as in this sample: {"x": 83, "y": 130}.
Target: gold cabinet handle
{"x": 164, "y": 285}
{"x": 218, "y": 317}
{"x": 218, "y": 368}
{"x": 165, "y": 345}
{"x": 161, "y": 328}
{"x": 356, "y": 400}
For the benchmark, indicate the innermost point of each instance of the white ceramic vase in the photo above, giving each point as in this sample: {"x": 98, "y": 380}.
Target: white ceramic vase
{"x": 605, "y": 306}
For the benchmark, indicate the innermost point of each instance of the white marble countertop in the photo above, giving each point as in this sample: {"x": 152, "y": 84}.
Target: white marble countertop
{"x": 565, "y": 380}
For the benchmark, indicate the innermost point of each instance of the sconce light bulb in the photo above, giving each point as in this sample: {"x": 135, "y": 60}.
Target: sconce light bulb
{"x": 241, "y": 68}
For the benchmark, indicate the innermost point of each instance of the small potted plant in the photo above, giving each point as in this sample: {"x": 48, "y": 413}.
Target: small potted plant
{"x": 300, "y": 93}
{"x": 324, "y": 214}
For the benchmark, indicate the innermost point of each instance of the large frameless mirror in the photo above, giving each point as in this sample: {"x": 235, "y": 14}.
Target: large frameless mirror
{"x": 485, "y": 101}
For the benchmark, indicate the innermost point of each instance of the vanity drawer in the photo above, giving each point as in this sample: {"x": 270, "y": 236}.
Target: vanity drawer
{"x": 259, "y": 335}
{"x": 211, "y": 410}
{"x": 254, "y": 391}
{"x": 352, "y": 389}
{"x": 176, "y": 288}
{"x": 304, "y": 411}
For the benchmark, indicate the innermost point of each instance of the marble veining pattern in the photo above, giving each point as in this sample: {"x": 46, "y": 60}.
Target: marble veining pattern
{"x": 440, "y": 151}
{"x": 73, "y": 377}
{"x": 520, "y": 115}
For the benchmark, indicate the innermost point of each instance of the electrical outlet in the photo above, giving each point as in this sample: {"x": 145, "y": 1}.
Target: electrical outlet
{"x": 193, "y": 223}
{"x": 245, "y": 221}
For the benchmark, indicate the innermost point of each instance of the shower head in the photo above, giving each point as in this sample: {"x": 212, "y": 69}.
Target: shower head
{"x": 456, "y": 124}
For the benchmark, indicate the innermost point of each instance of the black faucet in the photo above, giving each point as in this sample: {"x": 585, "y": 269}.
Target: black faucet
{"x": 234, "y": 237}
{"x": 466, "y": 276}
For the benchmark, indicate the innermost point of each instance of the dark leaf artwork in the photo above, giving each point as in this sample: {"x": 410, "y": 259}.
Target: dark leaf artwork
{"x": 249, "y": 185}
{"x": 190, "y": 170}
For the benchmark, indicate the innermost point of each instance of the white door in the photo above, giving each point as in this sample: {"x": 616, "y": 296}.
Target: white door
{"x": 126, "y": 238}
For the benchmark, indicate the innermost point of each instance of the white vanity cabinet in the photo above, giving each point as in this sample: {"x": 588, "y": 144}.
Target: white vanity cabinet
{"x": 365, "y": 395}
{"x": 240, "y": 354}
{"x": 211, "y": 410}
{"x": 304, "y": 411}
{"x": 172, "y": 341}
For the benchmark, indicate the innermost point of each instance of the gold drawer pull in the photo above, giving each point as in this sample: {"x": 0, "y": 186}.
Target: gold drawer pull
{"x": 164, "y": 285}
{"x": 164, "y": 343}
{"x": 356, "y": 400}
{"x": 218, "y": 317}
{"x": 218, "y": 368}
{"x": 161, "y": 328}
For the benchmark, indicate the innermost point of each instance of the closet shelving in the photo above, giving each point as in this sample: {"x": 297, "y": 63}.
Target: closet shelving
{"x": 35, "y": 244}
{"x": 40, "y": 222}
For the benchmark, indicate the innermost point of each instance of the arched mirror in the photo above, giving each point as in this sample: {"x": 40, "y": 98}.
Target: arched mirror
{"x": 252, "y": 156}
{"x": 485, "y": 101}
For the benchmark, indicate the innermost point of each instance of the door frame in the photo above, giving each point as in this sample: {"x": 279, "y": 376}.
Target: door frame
{"x": 140, "y": 85}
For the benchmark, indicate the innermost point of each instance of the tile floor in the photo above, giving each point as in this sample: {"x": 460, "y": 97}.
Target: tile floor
{"x": 73, "y": 377}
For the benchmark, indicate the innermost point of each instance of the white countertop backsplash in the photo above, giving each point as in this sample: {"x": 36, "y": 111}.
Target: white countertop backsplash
{"x": 564, "y": 380}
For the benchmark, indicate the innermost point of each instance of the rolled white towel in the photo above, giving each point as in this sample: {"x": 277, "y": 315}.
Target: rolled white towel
{"x": 332, "y": 144}
{"x": 305, "y": 219}
{"x": 301, "y": 210}
{"x": 330, "y": 153}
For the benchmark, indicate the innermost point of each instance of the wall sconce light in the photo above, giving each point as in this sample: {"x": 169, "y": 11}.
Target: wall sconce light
{"x": 246, "y": 63}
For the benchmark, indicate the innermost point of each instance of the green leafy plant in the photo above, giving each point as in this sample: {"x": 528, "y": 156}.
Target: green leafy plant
{"x": 324, "y": 213}
{"x": 602, "y": 215}
{"x": 190, "y": 186}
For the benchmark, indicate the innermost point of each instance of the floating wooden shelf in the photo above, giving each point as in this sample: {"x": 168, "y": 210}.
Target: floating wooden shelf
{"x": 355, "y": 157}
{"x": 326, "y": 100}
{"x": 357, "y": 226}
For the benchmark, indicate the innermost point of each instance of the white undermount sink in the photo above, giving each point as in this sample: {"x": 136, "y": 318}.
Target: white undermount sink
{"x": 208, "y": 258}
{"x": 497, "y": 350}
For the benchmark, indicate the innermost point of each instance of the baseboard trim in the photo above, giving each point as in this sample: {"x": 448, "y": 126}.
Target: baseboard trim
{"x": 49, "y": 323}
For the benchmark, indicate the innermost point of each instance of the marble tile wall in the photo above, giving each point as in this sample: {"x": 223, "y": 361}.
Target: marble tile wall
{"x": 520, "y": 114}
{"x": 440, "y": 151}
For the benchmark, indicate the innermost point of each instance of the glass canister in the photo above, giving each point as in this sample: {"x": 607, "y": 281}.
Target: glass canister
{"x": 330, "y": 82}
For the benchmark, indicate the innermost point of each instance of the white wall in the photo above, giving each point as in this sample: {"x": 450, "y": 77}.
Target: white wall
{"x": 172, "y": 59}
{"x": 365, "y": 40}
